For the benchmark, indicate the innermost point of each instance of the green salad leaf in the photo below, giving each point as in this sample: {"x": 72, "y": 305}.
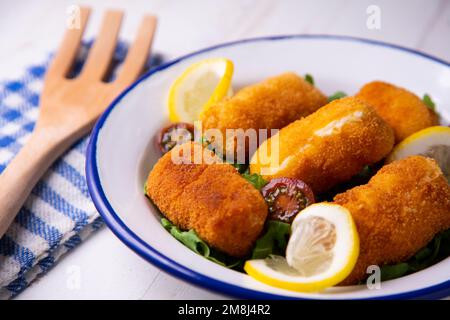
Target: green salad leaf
{"x": 389, "y": 272}
{"x": 240, "y": 167}
{"x": 255, "y": 179}
{"x": 309, "y": 78}
{"x": 429, "y": 102}
{"x": 274, "y": 241}
{"x": 191, "y": 240}
{"x": 337, "y": 95}
{"x": 435, "y": 251}
{"x": 365, "y": 174}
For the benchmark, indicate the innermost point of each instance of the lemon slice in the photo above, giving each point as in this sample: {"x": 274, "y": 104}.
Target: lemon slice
{"x": 201, "y": 84}
{"x": 432, "y": 142}
{"x": 321, "y": 252}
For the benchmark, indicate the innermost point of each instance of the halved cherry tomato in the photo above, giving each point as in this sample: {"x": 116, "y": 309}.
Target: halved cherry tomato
{"x": 286, "y": 197}
{"x": 173, "y": 134}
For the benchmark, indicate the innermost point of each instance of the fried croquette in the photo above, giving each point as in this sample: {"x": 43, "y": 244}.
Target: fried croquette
{"x": 270, "y": 104}
{"x": 401, "y": 109}
{"x": 223, "y": 208}
{"x": 398, "y": 212}
{"x": 326, "y": 148}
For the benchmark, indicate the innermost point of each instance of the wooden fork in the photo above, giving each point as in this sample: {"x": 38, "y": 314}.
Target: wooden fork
{"x": 70, "y": 107}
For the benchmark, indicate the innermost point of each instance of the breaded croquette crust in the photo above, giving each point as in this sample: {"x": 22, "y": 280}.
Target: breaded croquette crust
{"x": 398, "y": 212}
{"x": 223, "y": 208}
{"x": 326, "y": 148}
{"x": 401, "y": 109}
{"x": 270, "y": 104}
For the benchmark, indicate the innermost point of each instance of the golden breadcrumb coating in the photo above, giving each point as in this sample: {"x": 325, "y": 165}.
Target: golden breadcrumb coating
{"x": 401, "y": 109}
{"x": 398, "y": 212}
{"x": 270, "y": 104}
{"x": 328, "y": 147}
{"x": 223, "y": 208}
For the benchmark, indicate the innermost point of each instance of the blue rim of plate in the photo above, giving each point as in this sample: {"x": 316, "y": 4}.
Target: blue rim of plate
{"x": 168, "y": 265}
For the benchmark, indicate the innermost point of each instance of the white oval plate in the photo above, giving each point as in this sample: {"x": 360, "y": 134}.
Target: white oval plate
{"x": 121, "y": 150}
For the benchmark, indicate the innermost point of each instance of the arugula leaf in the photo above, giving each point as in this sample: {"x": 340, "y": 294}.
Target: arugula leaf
{"x": 309, "y": 78}
{"x": 337, "y": 95}
{"x": 423, "y": 254}
{"x": 225, "y": 261}
{"x": 389, "y": 272}
{"x": 240, "y": 167}
{"x": 435, "y": 251}
{"x": 366, "y": 173}
{"x": 255, "y": 179}
{"x": 191, "y": 240}
{"x": 426, "y": 256}
{"x": 274, "y": 241}
{"x": 429, "y": 102}
{"x": 444, "y": 249}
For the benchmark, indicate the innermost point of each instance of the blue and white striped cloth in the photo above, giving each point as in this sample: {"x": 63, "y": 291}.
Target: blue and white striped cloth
{"x": 59, "y": 214}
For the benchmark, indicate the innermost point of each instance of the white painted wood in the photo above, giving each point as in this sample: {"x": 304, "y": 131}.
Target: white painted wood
{"x": 437, "y": 37}
{"x": 31, "y": 29}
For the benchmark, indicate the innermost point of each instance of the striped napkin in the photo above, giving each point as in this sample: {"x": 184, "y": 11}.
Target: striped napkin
{"x": 59, "y": 214}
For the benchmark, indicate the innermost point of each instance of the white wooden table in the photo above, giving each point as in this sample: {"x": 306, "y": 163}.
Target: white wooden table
{"x": 30, "y": 29}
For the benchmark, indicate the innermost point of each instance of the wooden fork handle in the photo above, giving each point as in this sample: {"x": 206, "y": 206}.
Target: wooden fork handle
{"x": 24, "y": 171}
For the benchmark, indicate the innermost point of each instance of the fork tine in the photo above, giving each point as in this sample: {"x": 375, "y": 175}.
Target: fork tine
{"x": 68, "y": 49}
{"x": 138, "y": 52}
{"x": 102, "y": 51}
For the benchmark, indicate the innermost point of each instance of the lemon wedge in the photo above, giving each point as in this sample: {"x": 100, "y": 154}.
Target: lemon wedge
{"x": 321, "y": 252}
{"x": 200, "y": 85}
{"x": 432, "y": 142}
